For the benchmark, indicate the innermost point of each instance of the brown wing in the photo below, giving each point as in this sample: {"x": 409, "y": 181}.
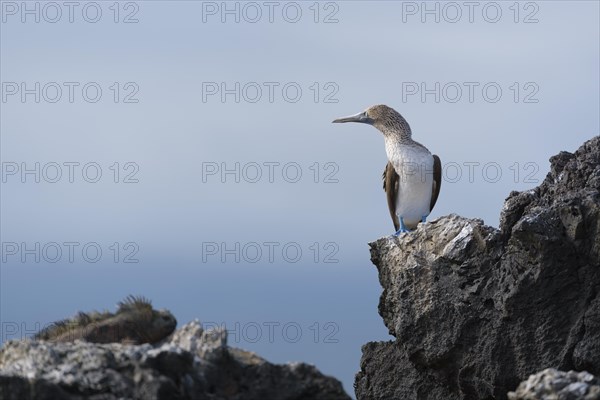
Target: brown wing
{"x": 390, "y": 185}
{"x": 437, "y": 180}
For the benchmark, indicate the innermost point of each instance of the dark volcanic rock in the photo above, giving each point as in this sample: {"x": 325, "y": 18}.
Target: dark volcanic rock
{"x": 193, "y": 364}
{"x": 476, "y": 310}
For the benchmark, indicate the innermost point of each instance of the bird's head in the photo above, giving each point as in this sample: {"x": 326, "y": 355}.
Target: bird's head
{"x": 382, "y": 117}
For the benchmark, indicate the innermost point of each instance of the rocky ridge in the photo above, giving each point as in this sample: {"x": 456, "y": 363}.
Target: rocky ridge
{"x": 191, "y": 364}
{"x": 475, "y": 310}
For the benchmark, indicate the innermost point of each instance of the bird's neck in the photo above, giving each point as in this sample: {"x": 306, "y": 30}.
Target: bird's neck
{"x": 395, "y": 129}
{"x": 402, "y": 137}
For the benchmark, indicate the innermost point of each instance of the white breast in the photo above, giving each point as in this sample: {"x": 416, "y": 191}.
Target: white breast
{"x": 414, "y": 166}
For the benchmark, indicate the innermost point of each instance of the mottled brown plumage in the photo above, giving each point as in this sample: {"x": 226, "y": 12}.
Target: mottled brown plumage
{"x": 135, "y": 322}
{"x": 410, "y": 199}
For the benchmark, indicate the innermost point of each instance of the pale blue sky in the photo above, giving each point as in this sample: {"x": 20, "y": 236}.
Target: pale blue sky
{"x": 172, "y": 215}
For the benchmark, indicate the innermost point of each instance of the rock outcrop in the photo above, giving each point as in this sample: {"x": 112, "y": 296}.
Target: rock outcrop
{"x": 475, "y": 310}
{"x": 191, "y": 364}
{"x": 551, "y": 384}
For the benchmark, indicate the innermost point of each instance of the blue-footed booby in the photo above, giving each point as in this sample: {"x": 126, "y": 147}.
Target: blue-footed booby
{"x": 412, "y": 176}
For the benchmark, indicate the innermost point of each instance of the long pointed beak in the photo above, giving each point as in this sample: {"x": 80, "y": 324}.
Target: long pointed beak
{"x": 360, "y": 117}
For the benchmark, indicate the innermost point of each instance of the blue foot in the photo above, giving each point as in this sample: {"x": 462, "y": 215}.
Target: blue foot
{"x": 402, "y": 228}
{"x": 423, "y": 218}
